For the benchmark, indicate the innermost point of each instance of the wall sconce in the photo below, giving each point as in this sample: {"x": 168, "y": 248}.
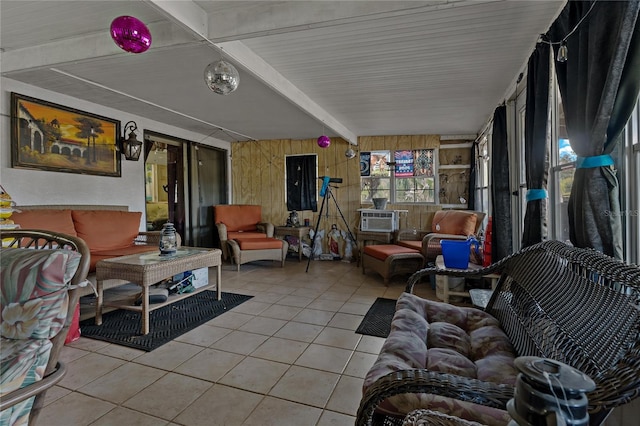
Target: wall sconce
{"x": 130, "y": 147}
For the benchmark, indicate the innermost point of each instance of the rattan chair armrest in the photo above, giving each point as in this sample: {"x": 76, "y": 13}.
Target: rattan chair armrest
{"x": 267, "y": 228}
{"x": 222, "y": 231}
{"x": 19, "y": 395}
{"x": 424, "y": 381}
{"x": 410, "y": 235}
{"x": 418, "y": 276}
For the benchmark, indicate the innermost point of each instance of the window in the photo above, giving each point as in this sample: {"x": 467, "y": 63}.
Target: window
{"x": 564, "y": 160}
{"x": 409, "y": 179}
{"x": 482, "y": 202}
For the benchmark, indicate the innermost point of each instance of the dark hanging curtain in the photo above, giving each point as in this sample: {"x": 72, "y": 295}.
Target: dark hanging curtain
{"x": 301, "y": 183}
{"x": 599, "y": 86}
{"x": 536, "y": 146}
{"x": 500, "y": 195}
{"x": 471, "y": 202}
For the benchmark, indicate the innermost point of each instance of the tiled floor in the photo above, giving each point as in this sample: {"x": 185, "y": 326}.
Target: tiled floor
{"x": 288, "y": 356}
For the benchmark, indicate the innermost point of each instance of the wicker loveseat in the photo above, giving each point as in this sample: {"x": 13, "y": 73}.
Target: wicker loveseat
{"x": 573, "y": 305}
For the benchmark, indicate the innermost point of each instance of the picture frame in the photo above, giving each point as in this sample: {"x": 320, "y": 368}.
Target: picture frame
{"x": 48, "y": 136}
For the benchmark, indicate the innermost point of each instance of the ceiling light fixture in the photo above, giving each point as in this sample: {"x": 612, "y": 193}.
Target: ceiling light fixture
{"x": 349, "y": 153}
{"x": 221, "y": 77}
{"x": 130, "y": 147}
{"x": 130, "y": 34}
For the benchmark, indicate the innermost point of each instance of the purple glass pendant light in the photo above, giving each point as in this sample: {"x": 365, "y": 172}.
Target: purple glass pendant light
{"x": 324, "y": 141}
{"x": 130, "y": 34}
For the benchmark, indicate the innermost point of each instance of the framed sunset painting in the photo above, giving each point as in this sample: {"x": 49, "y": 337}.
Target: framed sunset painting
{"x": 47, "y": 136}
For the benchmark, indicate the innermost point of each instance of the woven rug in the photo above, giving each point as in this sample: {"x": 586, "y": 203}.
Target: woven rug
{"x": 123, "y": 327}
{"x": 377, "y": 321}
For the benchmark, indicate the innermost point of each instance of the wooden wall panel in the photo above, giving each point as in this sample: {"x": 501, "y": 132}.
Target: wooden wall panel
{"x": 258, "y": 172}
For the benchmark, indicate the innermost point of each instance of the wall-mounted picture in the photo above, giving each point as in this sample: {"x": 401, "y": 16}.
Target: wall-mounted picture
{"x": 47, "y": 136}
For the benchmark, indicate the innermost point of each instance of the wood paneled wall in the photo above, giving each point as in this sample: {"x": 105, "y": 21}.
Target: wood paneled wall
{"x": 258, "y": 173}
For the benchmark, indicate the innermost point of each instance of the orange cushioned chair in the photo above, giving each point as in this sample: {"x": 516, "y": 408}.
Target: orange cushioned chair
{"x": 239, "y": 221}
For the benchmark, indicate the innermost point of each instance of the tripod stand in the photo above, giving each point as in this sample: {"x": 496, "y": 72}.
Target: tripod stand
{"x": 328, "y": 194}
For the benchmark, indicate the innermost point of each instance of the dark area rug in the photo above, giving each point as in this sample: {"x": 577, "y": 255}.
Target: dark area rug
{"x": 377, "y": 321}
{"x": 123, "y": 327}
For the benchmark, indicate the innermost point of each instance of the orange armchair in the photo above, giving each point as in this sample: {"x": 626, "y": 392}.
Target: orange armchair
{"x": 239, "y": 221}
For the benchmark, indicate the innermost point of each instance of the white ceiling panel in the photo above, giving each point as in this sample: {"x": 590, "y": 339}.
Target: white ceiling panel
{"x": 364, "y": 68}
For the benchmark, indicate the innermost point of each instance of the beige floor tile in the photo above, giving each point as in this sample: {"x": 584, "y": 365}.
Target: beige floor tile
{"x": 167, "y": 397}
{"x": 299, "y": 331}
{"x": 210, "y": 364}
{"x": 268, "y": 297}
{"x": 169, "y": 355}
{"x": 346, "y": 321}
{"x": 54, "y": 393}
{"x": 230, "y": 320}
{"x": 87, "y": 344}
{"x": 240, "y": 342}
{"x": 306, "y": 385}
{"x": 281, "y": 311}
{"x": 283, "y": 289}
{"x": 297, "y": 301}
{"x": 277, "y": 412}
{"x": 324, "y": 358}
{"x": 308, "y": 291}
{"x": 314, "y": 316}
{"x": 359, "y": 364}
{"x": 341, "y": 288}
{"x": 370, "y": 344}
{"x": 346, "y": 396}
{"x": 326, "y": 305}
{"x": 339, "y": 338}
{"x": 280, "y": 350}
{"x": 74, "y": 409}
{"x": 122, "y": 352}
{"x": 251, "y": 308}
{"x": 261, "y": 325}
{"x": 69, "y": 354}
{"x": 355, "y": 308}
{"x": 88, "y": 368}
{"x": 364, "y": 297}
{"x": 331, "y": 418}
{"x": 335, "y": 296}
{"x": 124, "y": 416}
{"x": 122, "y": 383}
{"x": 203, "y": 336}
{"x": 254, "y": 374}
{"x": 220, "y": 405}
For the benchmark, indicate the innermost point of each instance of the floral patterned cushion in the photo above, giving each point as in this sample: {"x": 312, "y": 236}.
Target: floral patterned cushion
{"x": 440, "y": 337}
{"x": 33, "y": 308}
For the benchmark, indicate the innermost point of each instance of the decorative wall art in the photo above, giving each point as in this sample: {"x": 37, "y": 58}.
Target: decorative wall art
{"x": 47, "y": 136}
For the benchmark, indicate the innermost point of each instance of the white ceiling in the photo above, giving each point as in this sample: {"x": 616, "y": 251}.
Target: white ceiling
{"x": 345, "y": 68}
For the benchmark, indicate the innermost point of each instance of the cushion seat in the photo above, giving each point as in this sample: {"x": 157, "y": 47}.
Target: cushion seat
{"x": 259, "y": 243}
{"x": 245, "y": 250}
{"x": 412, "y": 244}
{"x": 234, "y": 235}
{"x": 391, "y": 259}
{"x": 440, "y": 337}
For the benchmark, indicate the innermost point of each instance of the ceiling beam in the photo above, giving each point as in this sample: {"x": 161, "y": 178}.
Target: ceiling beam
{"x": 190, "y": 16}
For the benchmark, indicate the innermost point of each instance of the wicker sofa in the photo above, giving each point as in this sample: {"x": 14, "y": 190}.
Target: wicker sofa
{"x": 573, "y": 305}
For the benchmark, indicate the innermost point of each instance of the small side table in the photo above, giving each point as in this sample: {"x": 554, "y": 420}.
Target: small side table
{"x": 470, "y": 267}
{"x": 364, "y": 237}
{"x": 299, "y": 232}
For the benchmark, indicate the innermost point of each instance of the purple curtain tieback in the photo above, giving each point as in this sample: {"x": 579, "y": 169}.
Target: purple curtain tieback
{"x": 536, "y": 194}
{"x": 595, "y": 161}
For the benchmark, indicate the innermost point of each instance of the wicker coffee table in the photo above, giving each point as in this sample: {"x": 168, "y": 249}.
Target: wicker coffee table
{"x": 146, "y": 269}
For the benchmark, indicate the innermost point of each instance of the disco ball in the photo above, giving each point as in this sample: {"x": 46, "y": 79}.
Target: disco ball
{"x": 130, "y": 34}
{"x": 221, "y": 77}
{"x": 349, "y": 153}
{"x": 324, "y": 141}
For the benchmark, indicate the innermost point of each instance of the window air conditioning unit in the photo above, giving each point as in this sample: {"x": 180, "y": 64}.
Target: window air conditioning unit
{"x": 378, "y": 220}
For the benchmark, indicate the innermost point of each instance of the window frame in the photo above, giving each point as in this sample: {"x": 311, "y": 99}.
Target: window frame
{"x": 392, "y": 178}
